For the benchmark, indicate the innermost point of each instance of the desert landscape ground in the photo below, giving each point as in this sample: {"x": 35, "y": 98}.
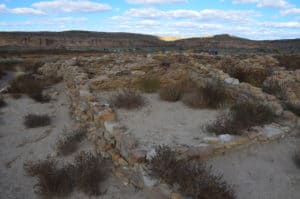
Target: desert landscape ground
{"x": 119, "y": 115}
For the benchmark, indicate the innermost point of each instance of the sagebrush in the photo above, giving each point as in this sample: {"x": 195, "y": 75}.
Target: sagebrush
{"x": 171, "y": 93}
{"x": 128, "y": 99}
{"x": 34, "y": 120}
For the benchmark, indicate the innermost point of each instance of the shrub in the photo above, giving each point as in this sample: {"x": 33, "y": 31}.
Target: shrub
{"x": 241, "y": 117}
{"x": 149, "y": 85}
{"x": 68, "y": 143}
{"x": 276, "y": 88}
{"x": 212, "y": 95}
{"x": 295, "y": 108}
{"x": 128, "y": 99}
{"x": 33, "y": 121}
{"x": 171, "y": 93}
{"x": 52, "y": 181}
{"x": 194, "y": 178}
{"x": 296, "y": 158}
{"x": 290, "y": 62}
{"x": 254, "y": 77}
{"x": 2, "y": 73}
{"x": 2, "y": 103}
{"x": 27, "y": 84}
{"x": 89, "y": 172}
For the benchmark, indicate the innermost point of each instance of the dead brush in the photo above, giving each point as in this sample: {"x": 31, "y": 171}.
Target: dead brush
{"x": 194, "y": 178}
{"x": 27, "y": 84}
{"x": 241, "y": 116}
{"x": 52, "y": 181}
{"x": 89, "y": 173}
{"x": 2, "y": 73}
{"x": 295, "y": 108}
{"x": 149, "y": 85}
{"x": 171, "y": 93}
{"x": 69, "y": 141}
{"x": 212, "y": 95}
{"x": 296, "y": 158}
{"x": 276, "y": 88}
{"x": 255, "y": 77}
{"x": 33, "y": 120}
{"x": 2, "y": 103}
{"x": 128, "y": 99}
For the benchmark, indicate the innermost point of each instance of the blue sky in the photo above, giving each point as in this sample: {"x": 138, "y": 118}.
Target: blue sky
{"x": 254, "y": 19}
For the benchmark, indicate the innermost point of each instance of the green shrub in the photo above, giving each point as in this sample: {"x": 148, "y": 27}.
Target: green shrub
{"x": 194, "y": 178}
{"x": 241, "y": 117}
{"x": 149, "y": 85}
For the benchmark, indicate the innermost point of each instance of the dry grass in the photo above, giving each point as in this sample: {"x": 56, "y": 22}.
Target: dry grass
{"x": 241, "y": 116}
{"x": 128, "y": 99}
{"x": 149, "y": 85}
{"x": 171, "y": 93}
{"x": 2, "y": 73}
{"x": 52, "y": 181}
{"x": 89, "y": 173}
{"x": 276, "y": 88}
{"x": 194, "y": 178}
{"x": 213, "y": 95}
{"x": 69, "y": 142}
{"x": 290, "y": 62}
{"x": 33, "y": 120}
{"x": 255, "y": 77}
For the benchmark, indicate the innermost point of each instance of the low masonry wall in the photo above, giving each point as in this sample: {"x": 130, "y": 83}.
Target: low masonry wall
{"x": 114, "y": 140}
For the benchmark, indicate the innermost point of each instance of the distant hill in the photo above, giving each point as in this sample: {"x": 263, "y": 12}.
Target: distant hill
{"x": 85, "y": 41}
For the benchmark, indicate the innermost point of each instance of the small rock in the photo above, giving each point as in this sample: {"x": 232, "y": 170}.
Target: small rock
{"x": 152, "y": 153}
{"x": 225, "y": 138}
{"x": 231, "y": 81}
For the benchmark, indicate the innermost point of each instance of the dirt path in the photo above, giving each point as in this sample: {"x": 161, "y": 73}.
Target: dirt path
{"x": 262, "y": 171}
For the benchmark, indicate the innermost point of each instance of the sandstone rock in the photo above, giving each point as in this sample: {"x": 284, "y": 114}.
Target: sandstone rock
{"x": 105, "y": 115}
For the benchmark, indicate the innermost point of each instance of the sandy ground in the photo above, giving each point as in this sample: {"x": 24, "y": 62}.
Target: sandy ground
{"x": 18, "y": 144}
{"x": 165, "y": 123}
{"x": 262, "y": 171}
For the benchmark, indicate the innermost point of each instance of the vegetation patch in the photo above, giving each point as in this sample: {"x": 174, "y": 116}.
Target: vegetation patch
{"x": 212, "y": 95}
{"x": 240, "y": 117}
{"x": 290, "y": 62}
{"x": 276, "y": 88}
{"x": 128, "y": 99}
{"x": 194, "y": 178}
{"x": 296, "y": 158}
{"x": 2, "y": 73}
{"x": 69, "y": 142}
{"x": 52, "y": 181}
{"x": 171, "y": 93}
{"x": 295, "y": 108}
{"x": 149, "y": 85}
{"x": 2, "y": 103}
{"x": 34, "y": 121}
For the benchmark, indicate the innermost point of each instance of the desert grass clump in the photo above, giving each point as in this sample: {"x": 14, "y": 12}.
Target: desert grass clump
{"x": 69, "y": 141}
{"x": 212, "y": 95}
{"x": 296, "y": 158}
{"x": 127, "y": 99}
{"x": 242, "y": 116}
{"x": 276, "y": 88}
{"x": 290, "y": 62}
{"x": 89, "y": 173}
{"x": 171, "y": 93}
{"x": 255, "y": 77}
{"x": 52, "y": 181}
{"x": 33, "y": 120}
{"x": 193, "y": 177}
{"x": 149, "y": 85}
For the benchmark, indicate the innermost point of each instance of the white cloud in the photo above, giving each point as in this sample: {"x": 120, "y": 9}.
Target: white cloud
{"x": 2, "y": 8}
{"x": 156, "y": 2}
{"x": 206, "y": 14}
{"x": 26, "y": 11}
{"x": 290, "y": 11}
{"x": 265, "y": 3}
{"x": 69, "y": 6}
{"x": 291, "y": 24}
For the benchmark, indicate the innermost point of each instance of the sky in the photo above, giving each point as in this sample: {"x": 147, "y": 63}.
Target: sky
{"x": 253, "y": 19}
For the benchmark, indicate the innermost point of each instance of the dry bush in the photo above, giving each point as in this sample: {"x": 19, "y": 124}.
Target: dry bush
{"x": 254, "y": 77}
{"x": 241, "y": 116}
{"x": 296, "y": 158}
{"x": 290, "y": 62}
{"x": 33, "y": 120}
{"x": 149, "y": 85}
{"x": 212, "y": 95}
{"x": 2, "y": 73}
{"x": 27, "y": 84}
{"x": 52, "y": 181}
{"x": 171, "y": 93}
{"x": 194, "y": 178}
{"x": 89, "y": 173}
{"x": 276, "y": 88}
{"x": 128, "y": 99}
{"x": 295, "y": 108}
{"x": 69, "y": 142}
{"x": 2, "y": 103}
